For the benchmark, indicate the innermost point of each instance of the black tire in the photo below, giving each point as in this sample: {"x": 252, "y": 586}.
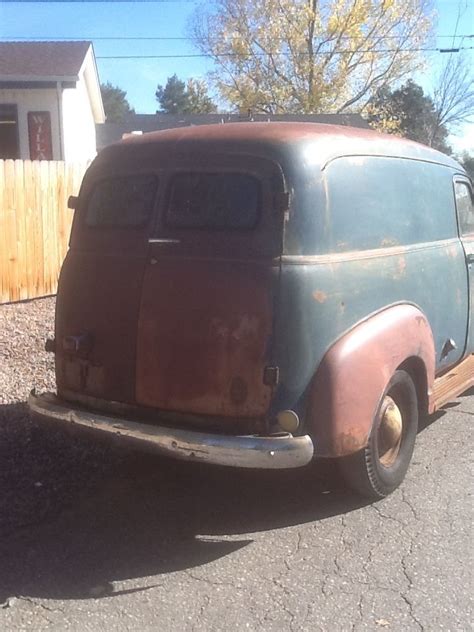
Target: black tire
{"x": 370, "y": 472}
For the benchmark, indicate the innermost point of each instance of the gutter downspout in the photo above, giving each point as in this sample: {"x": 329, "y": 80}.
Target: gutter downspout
{"x": 59, "y": 95}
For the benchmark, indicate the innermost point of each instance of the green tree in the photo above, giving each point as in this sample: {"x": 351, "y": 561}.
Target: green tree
{"x": 178, "y": 97}
{"x": 172, "y": 97}
{"x": 310, "y": 56}
{"x": 115, "y": 103}
{"x": 408, "y": 112}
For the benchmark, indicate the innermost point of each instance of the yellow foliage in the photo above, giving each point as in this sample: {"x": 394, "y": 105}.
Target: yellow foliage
{"x": 383, "y": 119}
{"x": 310, "y": 56}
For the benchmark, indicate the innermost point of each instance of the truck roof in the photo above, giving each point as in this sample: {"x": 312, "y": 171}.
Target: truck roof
{"x": 318, "y": 143}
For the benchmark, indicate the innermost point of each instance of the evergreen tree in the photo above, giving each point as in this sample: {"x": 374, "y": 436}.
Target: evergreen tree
{"x": 177, "y": 97}
{"x": 407, "y": 111}
{"x": 115, "y": 103}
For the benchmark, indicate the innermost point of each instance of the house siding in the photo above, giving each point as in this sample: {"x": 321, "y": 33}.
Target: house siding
{"x": 79, "y": 126}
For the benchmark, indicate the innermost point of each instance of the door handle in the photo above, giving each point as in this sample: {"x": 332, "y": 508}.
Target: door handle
{"x": 470, "y": 258}
{"x": 164, "y": 241}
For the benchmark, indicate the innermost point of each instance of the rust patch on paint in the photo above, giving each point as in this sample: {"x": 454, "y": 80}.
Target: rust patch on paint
{"x": 401, "y": 268}
{"x": 320, "y": 296}
{"x": 203, "y": 349}
{"x": 99, "y": 293}
{"x": 238, "y": 390}
{"x": 452, "y": 251}
{"x": 349, "y": 442}
{"x": 388, "y": 242}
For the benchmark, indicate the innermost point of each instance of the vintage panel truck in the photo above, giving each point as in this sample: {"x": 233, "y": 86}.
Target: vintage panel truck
{"x": 262, "y": 294}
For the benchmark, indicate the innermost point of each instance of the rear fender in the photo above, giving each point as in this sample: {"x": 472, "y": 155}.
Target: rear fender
{"x": 347, "y": 387}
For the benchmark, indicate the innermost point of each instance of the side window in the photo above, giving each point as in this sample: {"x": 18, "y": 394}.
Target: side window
{"x": 377, "y": 202}
{"x": 465, "y": 207}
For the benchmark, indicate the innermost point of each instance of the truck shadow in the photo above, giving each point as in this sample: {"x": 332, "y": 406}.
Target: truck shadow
{"x": 76, "y": 516}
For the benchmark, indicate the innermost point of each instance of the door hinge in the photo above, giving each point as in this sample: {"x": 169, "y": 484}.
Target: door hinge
{"x": 271, "y": 375}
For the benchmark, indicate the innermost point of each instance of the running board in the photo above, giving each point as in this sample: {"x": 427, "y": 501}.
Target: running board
{"x": 456, "y": 381}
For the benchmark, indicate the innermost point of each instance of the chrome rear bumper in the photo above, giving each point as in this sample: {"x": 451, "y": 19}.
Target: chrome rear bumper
{"x": 273, "y": 452}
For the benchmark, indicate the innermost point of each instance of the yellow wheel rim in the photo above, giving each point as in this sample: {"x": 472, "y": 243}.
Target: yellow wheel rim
{"x": 389, "y": 432}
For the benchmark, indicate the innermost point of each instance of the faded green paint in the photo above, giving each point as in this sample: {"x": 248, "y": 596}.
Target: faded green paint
{"x": 433, "y": 278}
{"x": 330, "y": 282}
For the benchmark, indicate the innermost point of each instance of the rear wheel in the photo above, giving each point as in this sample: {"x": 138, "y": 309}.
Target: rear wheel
{"x": 381, "y": 466}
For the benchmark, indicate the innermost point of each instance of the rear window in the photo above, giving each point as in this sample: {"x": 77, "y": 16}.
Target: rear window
{"x": 124, "y": 201}
{"x": 208, "y": 200}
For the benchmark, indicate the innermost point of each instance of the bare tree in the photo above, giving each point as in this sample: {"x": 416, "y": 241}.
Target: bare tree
{"x": 453, "y": 96}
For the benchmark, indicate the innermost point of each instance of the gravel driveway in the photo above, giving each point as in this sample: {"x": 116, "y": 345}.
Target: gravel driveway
{"x": 100, "y": 537}
{"x": 34, "y": 484}
{"x": 24, "y": 328}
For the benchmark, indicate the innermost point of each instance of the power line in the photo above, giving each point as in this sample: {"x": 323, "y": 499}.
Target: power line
{"x": 181, "y": 39}
{"x": 286, "y": 54}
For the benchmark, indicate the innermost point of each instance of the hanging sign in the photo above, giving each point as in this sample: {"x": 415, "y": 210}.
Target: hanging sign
{"x": 39, "y": 132}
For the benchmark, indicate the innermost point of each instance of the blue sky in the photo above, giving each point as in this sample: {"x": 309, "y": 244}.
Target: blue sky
{"x": 90, "y": 20}
{"x": 139, "y": 78}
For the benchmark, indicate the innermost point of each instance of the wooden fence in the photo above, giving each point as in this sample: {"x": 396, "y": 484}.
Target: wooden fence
{"x": 34, "y": 225}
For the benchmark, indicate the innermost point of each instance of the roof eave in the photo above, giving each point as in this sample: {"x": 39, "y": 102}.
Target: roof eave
{"x": 91, "y": 78}
{"x": 38, "y": 79}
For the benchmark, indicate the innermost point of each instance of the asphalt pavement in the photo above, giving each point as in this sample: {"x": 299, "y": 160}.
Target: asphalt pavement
{"x": 101, "y": 537}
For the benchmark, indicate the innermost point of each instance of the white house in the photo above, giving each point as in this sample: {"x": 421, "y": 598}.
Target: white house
{"x": 50, "y": 101}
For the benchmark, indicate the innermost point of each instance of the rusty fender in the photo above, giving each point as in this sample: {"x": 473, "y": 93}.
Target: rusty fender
{"x": 347, "y": 387}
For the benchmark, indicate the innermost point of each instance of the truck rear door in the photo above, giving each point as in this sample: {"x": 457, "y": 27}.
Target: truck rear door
{"x": 100, "y": 285}
{"x": 210, "y": 286}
